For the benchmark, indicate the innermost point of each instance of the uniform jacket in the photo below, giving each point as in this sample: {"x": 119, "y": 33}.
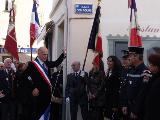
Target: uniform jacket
{"x": 122, "y": 92}
{"x": 57, "y": 83}
{"x": 7, "y": 84}
{"x": 134, "y": 87}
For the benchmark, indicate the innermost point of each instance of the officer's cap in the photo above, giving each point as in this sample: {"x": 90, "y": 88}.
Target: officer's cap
{"x": 136, "y": 50}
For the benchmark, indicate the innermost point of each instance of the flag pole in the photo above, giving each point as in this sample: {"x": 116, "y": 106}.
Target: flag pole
{"x": 31, "y": 52}
{"x": 85, "y": 59}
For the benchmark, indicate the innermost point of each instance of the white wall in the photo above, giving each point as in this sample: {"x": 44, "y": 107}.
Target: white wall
{"x": 114, "y": 20}
{"x": 115, "y": 16}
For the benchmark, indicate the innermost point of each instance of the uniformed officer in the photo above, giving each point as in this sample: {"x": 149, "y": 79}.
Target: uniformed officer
{"x": 7, "y": 91}
{"x": 134, "y": 83}
{"x": 126, "y": 67}
{"x": 57, "y": 95}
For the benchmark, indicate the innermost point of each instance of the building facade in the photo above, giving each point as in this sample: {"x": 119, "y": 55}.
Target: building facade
{"x": 73, "y": 25}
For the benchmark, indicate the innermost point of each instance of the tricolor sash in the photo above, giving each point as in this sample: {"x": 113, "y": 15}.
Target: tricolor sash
{"x": 46, "y": 114}
{"x": 42, "y": 72}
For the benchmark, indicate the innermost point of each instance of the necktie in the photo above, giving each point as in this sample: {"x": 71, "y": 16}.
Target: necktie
{"x": 76, "y": 74}
{"x": 45, "y": 68}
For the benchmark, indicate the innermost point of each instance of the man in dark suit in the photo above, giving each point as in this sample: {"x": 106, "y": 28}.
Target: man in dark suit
{"x": 39, "y": 87}
{"x": 76, "y": 91}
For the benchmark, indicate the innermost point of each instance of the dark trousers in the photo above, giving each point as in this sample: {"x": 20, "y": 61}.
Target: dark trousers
{"x": 56, "y": 111}
{"x": 74, "y": 110}
{"x": 29, "y": 109}
{"x": 96, "y": 115}
{"x": 8, "y": 111}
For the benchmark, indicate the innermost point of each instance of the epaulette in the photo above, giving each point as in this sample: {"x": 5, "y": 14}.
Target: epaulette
{"x": 146, "y": 75}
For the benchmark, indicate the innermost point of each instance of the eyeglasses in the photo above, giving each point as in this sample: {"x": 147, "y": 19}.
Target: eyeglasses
{"x": 1, "y": 66}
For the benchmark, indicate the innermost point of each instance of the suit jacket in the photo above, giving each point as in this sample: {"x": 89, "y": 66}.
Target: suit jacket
{"x": 76, "y": 87}
{"x": 34, "y": 79}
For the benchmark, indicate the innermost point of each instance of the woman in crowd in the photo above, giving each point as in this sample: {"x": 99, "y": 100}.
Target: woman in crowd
{"x": 112, "y": 85}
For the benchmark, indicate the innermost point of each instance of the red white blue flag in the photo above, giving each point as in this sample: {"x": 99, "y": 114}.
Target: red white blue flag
{"x": 135, "y": 38}
{"x": 34, "y": 25}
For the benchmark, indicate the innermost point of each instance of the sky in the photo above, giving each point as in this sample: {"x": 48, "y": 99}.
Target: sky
{"x": 23, "y": 18}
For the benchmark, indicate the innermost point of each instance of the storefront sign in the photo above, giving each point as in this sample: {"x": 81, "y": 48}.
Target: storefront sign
{"x": 21, "y": 50}
{"x": 83, "y": 8}
{"x": 27, "y": 50}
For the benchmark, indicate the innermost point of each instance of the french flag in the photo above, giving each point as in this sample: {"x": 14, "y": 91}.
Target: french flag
{"x": 34, "y": 25}
{"x": 135, "y": 38}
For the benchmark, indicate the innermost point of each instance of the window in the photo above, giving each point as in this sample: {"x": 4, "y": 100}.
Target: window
{"x": 118, "y": 43}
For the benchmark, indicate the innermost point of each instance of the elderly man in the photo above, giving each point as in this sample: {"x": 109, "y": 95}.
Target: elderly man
{"x": 76, "y": 92}
{"x": 7, "y": 91}
{"x": 39, "y": 86}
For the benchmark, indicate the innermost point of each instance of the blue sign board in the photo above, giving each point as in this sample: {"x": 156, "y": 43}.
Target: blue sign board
{"x": 27, "y": 50}
{"x": 21, "y": 50}
{"x": 83, "y": 8}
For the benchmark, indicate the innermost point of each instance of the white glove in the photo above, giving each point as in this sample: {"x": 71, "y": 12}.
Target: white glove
{"x": 67, "y": 99}
{"x": 82, "y": 74}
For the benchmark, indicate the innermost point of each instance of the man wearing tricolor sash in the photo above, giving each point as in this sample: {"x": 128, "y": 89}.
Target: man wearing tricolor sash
{"x": 39, "y": 86}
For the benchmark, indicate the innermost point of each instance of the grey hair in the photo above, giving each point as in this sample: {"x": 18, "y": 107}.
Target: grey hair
{"x": 5, "y": 60}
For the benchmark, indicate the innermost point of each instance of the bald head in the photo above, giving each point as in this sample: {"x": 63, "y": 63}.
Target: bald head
{"x": 43, "y": 53}
{"x": 75, "y": 66}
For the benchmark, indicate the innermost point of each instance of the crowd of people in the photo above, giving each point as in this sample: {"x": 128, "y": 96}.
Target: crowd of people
{"x": 28, "y": 90}
{"x": 128, "y": 90}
